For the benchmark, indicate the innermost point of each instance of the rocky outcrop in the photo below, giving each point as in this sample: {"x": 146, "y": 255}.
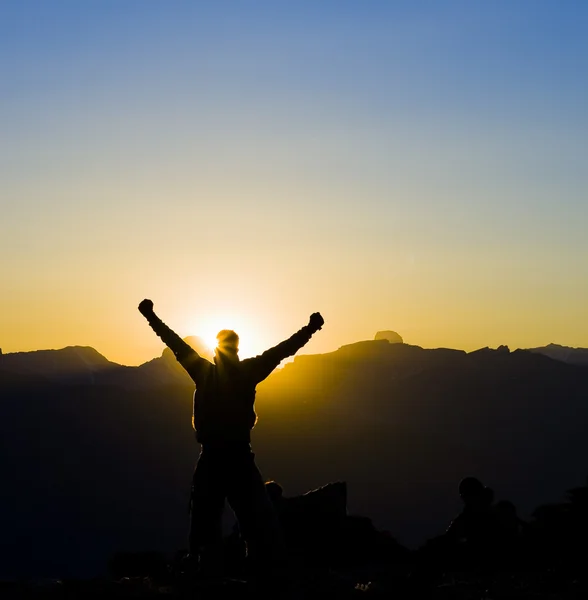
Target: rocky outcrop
{"x": 391, "y": 336}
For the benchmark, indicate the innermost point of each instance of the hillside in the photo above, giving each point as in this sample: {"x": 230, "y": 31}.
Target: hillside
{"x": 95, "y": 465}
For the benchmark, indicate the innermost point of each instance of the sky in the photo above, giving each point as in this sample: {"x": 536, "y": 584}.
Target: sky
{"x": 412, "y": 165}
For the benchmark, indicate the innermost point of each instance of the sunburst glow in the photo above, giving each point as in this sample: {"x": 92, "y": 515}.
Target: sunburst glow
{"x": 249, "y": 342}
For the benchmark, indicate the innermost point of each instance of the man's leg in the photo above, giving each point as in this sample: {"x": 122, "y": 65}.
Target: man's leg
{"x": 256, "y": 514}
{"x": 206, "y": 511}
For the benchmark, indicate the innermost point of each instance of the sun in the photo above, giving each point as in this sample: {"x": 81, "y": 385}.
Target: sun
{"x": 209, "y": 339}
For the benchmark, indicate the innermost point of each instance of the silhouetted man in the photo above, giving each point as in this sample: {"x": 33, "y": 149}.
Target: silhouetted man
{"x": 475, "y": 523}
{"x": 223, "y": 418}
{"x": 468, "y": 541}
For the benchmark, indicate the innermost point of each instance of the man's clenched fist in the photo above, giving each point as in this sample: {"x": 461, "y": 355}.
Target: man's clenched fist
{"x": 316, "y": 322}
{"x": 146, "y": 307}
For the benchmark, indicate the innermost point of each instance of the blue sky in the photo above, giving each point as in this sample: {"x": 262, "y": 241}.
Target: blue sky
{"x": 432, "y": 154}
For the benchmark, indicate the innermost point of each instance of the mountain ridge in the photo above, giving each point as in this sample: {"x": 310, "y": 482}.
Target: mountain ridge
{"x": 85, "y": 361}
{"x": 104, "y": 458}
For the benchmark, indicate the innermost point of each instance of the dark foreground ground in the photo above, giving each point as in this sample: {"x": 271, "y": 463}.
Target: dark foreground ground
{"x": 376, "y": 582}
{"x": 332, "y": 554}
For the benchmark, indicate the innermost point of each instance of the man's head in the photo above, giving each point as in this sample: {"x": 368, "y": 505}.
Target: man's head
{"x": 471, "y": 490}
{"x": 274, "y": 491}
{"x": 227, "y": 344}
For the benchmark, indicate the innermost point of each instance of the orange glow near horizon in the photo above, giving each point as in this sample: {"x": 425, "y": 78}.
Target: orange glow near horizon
{"x": 460, "y": 317}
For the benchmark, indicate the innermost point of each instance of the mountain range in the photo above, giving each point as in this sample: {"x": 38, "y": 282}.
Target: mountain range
{"x": 97, "y": 457}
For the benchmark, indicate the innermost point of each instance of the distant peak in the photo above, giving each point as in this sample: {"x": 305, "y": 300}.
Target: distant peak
{"x": 84, "y": 352}
{"x": 391, "y": 336}
{"x": 502, "y": 350}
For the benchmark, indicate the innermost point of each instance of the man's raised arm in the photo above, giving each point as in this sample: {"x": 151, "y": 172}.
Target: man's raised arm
{"x": 270, "y": 359}
{"x": 185, "y": 354}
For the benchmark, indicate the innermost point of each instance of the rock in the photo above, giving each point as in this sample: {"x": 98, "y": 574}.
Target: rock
{"x": 391, "y": 336}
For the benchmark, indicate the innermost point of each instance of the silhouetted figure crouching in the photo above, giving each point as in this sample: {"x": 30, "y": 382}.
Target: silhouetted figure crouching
{"x": 469, "y": 540}
{"x": 474, "y": 526}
